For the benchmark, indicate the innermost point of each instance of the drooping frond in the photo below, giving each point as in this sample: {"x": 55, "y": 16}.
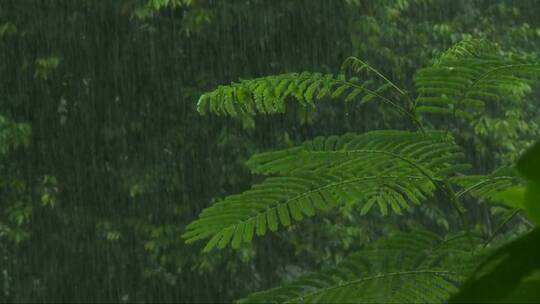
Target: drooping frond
{"x": 433, "y": 153}
{"x": 468, "y": 48}
{"x": 409, "y": 267}
{"x": 483, "y": 186}
{"x": 387, "y": 169}
{"x": 469, "y": 76}
{"x": 283, "y": 200}
{"x": 268, "y": 95}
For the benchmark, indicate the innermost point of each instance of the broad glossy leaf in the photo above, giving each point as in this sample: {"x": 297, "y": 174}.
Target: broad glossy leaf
{"x": 502, "y": 273}
{"x": 529, "y": 163}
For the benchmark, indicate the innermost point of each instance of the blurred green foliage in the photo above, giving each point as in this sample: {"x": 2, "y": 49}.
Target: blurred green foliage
{"x": 511, "y": 274}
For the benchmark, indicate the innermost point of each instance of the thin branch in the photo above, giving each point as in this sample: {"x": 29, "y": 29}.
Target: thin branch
{"x": 508, "y": 218}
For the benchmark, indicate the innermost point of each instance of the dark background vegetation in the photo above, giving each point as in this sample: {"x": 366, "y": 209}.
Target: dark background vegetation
{"x": 104, "y": 160}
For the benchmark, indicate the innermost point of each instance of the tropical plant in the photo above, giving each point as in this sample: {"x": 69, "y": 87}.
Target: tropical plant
{"x": 119, "y": 161}
{"x": 391, "y": 170}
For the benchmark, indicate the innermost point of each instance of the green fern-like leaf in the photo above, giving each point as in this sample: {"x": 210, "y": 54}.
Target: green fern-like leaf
{"x": 469, "y": 76}
{"x": 384, "y": 169}
{"x": 432, "y": 153}
{"x": 484, "y": 186}
{"x": 279, "y": 201}
{"x": 468, "y": 48}
{"x": 409, "y": 267}
{"x": 268, "y": 95}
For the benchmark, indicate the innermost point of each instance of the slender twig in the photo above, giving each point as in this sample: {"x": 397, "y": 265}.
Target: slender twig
{"x": 386, "y": 100}
{"x": 352, "y": 58}
{"x": 508, "y": 218}
{"x": 388, "y": 81}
